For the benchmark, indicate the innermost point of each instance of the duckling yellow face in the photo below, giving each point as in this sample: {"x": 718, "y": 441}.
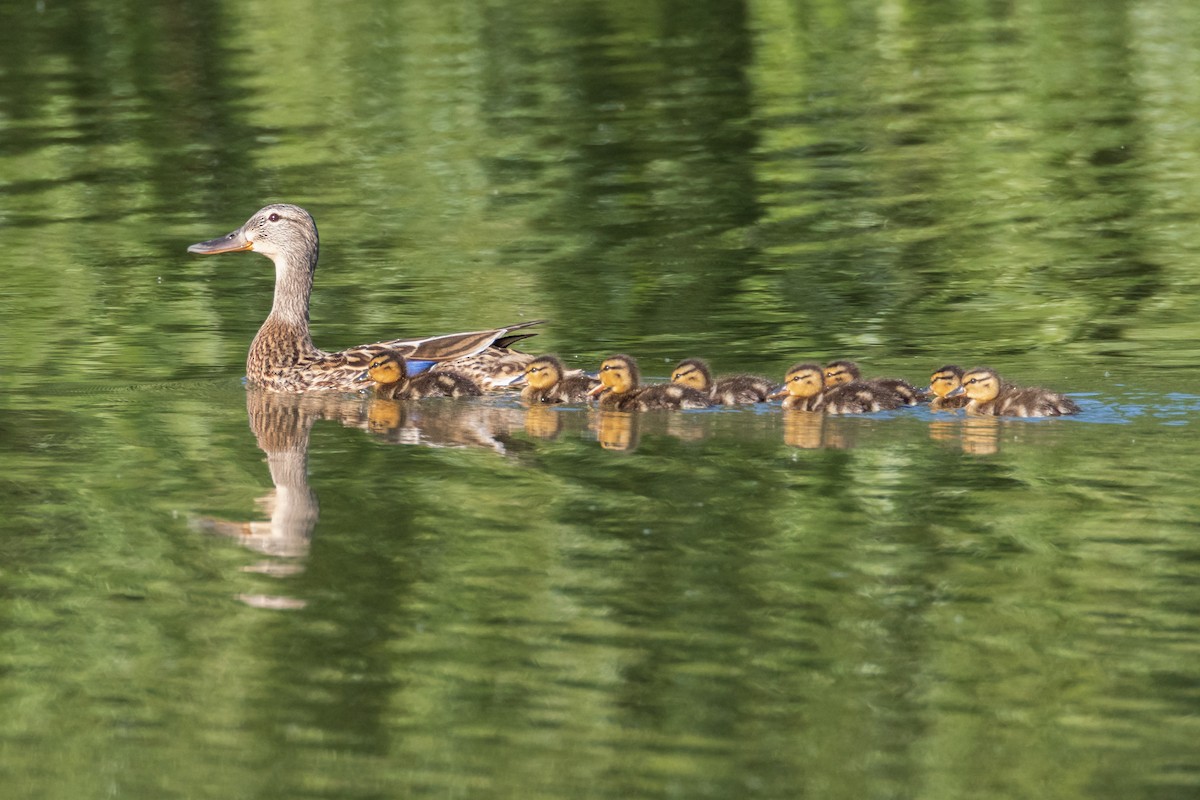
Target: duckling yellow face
{"x": 945, "y": 380}
{"x": 804, "y": 380}
{"x": 839, "y": 372}
{"x": 543, "y": 372}
{"x": 387, "y": 368}
{"x": 981, "y": 385}
{"x": 619, "y": 374}
{"x": 693, "y": 373}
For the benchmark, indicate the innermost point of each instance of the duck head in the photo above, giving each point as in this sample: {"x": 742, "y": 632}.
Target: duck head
{"x": 839, "y": 372}
{"x": 280, "y": 229}
{"x": 386, "y": 369}
{"x": 694, "y": 373}
{"x": 945, "y": 380}
{"x": 802, "y": 380}
{"x": 618, "y": 374}
{"x": 980, "y": 384}
{"x": 543, "y": 372}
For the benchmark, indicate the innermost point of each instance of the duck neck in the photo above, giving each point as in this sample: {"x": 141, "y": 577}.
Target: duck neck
{"x": 293, "y": 288}
{"x": 284, "y": 340}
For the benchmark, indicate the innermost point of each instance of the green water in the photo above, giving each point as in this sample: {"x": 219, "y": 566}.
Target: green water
{"x": 209, "y": 592}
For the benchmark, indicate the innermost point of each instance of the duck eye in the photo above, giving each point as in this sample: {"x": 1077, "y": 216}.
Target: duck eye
{"x": 273, "y": 217}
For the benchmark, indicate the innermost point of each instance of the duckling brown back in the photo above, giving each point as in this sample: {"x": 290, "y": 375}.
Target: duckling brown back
{"x": 844, "y": 372}
{"x": 861, "y": 397}
{"x": 729, "y": 390}
{"x": 444, "y": 383}
{"x": 670, "y": 396}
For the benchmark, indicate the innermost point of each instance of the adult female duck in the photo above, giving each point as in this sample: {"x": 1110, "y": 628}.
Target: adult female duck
{"x": 282, "y": 356}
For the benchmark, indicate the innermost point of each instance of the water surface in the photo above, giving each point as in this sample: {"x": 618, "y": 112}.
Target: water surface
{"x": 207, "y": 591}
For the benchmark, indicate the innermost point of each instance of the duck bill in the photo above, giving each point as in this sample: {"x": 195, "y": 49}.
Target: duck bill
{"x": 599, "y": 390}
{"x": 229, "y": 243}
{"x": 956, "y": 392}
{"x": 777, "y": 395}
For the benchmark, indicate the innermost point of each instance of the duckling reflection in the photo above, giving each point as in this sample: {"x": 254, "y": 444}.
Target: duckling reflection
{"x": 617, "y": 430}
{"x": 981, "y": 436}
{"x": 444, "y": 423}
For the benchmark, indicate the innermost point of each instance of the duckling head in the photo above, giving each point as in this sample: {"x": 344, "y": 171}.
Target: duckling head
{"x": 693, "y": 372}
{"x": 619, "y": 374}
{"x": 945, "y": 380}
{"x": 387, "y": 368}
{"x": 839, "y": 372}
{"x": 274, "y": 230}
{"x": 980, "y": 384}
{"x": 543, "y": 372}
{"x": 803, "y": 380}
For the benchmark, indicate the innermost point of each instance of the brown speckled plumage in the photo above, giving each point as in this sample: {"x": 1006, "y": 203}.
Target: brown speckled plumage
{"x": 844, "y": 372}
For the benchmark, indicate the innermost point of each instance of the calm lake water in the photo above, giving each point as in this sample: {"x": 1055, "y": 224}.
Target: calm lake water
{"x": 210, "y": 592}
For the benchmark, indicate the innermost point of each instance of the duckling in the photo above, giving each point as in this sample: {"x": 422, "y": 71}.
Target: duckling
{"x": 942, "y": 382}
{"x": 842, "y": 372}
{"x": 549, "y": 382}
{"x": 730, "y": 390}
{"x": 805, "y": 390}
{"x": 390, "y": 374}
{"x": 619, "y": 389}
{"x": 990, "y": 395}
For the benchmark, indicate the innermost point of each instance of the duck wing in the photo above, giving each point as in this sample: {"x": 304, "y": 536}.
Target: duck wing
{"x": 453, "y": 346}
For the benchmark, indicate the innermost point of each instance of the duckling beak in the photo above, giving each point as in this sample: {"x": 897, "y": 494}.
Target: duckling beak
{"x": 229, "y": 243}
{"x": 777, "y": 395}
{"x": 599, "y": 390}
{"x": 362, "y": 376}
{"x": 956, "y": 392}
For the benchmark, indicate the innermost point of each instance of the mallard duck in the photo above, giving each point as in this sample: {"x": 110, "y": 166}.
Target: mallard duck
{"x": 842, "y": 372}
{"x": 282, "y": 356}
{"x": 989, "y": 394}
{"x": 390, "y": 374}
{"x": 804, "y": 389}
{"x": 549, "y": 382}
{"x": 620, "y": 389}
{"x": 728, "y": 390}
{"x": 942, "y": 382}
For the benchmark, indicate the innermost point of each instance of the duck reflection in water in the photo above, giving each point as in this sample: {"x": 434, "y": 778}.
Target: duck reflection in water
{"x": 441, "y": 422}
{"x": 813, "y": 430}
{"x": 977, "y": 436}
{"x": 616, "y": 430}
{"x": 282, "y": 422}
